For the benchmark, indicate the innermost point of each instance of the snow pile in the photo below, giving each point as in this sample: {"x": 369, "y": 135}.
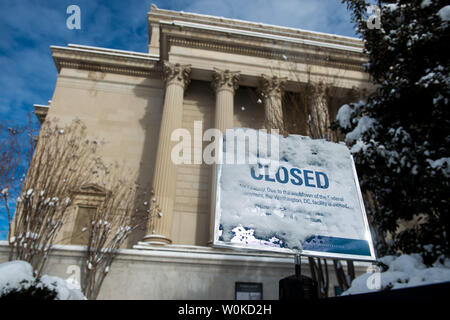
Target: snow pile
{"x": 403, "y": 271}
{"x": 346, "y": 114}
{"x": 15, "y": 275}
{"x": 365, "y": 124}
{"x": 441, "y": 164}
{"x": 18, "y": 275}
{"x": 425, "y": 3}
{"x": 343, "y": 116}
{"x": 391, "y": 6}
{"x": 444, "y": 13}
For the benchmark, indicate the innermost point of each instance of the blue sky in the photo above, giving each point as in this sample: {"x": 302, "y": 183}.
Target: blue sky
{"x": 29, "y": 27}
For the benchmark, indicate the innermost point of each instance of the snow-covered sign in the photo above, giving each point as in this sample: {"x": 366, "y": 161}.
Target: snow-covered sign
{"x": 289, "y": 194}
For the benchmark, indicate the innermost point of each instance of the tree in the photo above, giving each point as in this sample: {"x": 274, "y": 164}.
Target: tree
{"x": 400, "y": 136}
{"x": 64, "y": 159}
{"x": 16, "y": 149}
{"x": 124, "y": 208}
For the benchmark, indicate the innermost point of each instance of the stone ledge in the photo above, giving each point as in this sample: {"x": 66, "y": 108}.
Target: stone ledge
{"x": 192, "y": 255}
{"x": 105, "y": 60}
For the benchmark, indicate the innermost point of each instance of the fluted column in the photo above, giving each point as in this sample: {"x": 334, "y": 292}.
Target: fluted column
{"x": 319, "y": 117}
{"x": 160, "y": 226}
{"x": 272, "y": 88}
{"x": 224, "y": 83}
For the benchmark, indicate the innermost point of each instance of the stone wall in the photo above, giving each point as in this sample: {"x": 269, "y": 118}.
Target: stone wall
{"x": 123, "y": 111}
{"x": 182, "y": 272}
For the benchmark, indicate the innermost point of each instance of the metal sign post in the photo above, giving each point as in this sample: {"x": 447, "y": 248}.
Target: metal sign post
{"x": 298, "y": 287}
{"x": 298, "y": 265}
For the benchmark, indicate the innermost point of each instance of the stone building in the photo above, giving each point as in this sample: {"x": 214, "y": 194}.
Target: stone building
{"x": 225, "y": 73}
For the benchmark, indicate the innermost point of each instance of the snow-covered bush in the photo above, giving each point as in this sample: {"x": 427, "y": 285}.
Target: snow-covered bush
{"x": 400, "y": 272}
{"x": 18, "y": 281}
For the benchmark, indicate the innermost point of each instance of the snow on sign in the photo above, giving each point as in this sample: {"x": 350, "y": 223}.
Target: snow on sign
{"x": 286, "y": 194}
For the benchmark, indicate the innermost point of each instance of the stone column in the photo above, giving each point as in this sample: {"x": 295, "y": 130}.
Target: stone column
{"x": 273, "y": 89}
{"x": 319, "y": 117}
{"x": 160, "y": 226}
{"x": 224, "y": 83}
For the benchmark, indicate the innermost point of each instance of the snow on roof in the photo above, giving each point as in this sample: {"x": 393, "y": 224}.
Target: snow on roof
{"x": 143, "y": 54}
{"x": 110, "y": 52}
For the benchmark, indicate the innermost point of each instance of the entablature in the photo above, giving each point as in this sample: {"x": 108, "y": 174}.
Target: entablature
{"x": 106, "y": 60}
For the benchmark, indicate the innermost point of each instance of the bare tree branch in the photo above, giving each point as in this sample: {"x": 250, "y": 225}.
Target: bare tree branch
{"x": 110, "y": 226}
{"x": 63, "y": 159}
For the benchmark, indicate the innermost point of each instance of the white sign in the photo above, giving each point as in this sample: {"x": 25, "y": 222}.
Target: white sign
{"x": 296, "y": 194}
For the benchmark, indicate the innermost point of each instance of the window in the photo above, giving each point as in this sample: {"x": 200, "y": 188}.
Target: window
{"x": 80, "y": 233}
{"x": 248, "y": 291}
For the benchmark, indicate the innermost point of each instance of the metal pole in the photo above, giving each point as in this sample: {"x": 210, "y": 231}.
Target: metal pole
{"x": 298, "y": 265}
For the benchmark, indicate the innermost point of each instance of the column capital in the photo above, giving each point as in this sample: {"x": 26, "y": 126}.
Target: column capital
{"x": 317, "y": 89}
{"x": 225, "y": 80}
{"x": 177, "y": 73}
{"x": 272, "y": 85}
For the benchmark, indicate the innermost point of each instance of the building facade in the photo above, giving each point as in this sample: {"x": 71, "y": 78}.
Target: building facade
{"x": 218, "y": 72}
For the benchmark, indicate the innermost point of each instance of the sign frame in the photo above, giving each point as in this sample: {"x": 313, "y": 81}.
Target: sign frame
{"x": 309, "y": 253}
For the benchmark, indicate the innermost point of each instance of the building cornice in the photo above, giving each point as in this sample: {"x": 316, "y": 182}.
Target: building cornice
{"x": 106, "y": 60}
{"x": 317, "y": 57}
{"x": 265, "y": 36}
{"x": 253, "y": 39}
{"x": 41, "y": 111}
{"x": 157, "y": 15}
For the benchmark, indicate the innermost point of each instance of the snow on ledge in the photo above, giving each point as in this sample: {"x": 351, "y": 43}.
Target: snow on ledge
{"x": 133, "y": 53}
{"x": 204, "y": 255}
{"x": 108, "y": 52}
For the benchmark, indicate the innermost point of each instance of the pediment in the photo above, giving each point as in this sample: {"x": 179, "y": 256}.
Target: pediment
{"x": 92, "y": 188}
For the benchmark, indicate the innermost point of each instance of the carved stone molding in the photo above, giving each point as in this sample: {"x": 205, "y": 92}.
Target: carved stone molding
{"x": 225, "y": 80}
{"x": 41, "y": 112}
{"x": 272, "y": 85}
{"x": 89, "y": 194}
{"x": 175, "y": 73}
{"x": 329, "y": 58}
{"x": 317, "y": 89}
{"x": 91, "y": 189}
{"x": 96, "y": 59}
